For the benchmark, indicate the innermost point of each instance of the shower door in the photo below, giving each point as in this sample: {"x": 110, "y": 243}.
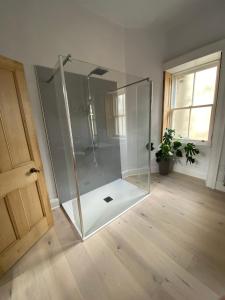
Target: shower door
{"x": 58, "y": 136}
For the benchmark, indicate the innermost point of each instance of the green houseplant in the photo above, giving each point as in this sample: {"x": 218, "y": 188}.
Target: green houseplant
{"x": 170, "y": 149}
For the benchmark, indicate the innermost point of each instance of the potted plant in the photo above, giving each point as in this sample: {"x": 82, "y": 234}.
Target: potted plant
{"x": 170, "y": 149}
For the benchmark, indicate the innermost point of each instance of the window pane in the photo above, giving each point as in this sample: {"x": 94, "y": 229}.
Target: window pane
{"x": 115, "y": 106}
{"x": 124, "y": 126}
{"x": 199, "y": 123}
{"x": 204, "y": 90}
{"x": 184, "y": 89}
{"x": 120, "y": 125}
{"x": 117, "y": 126}
{"x": 121, "y": 104}
{"x": 180, "y": 122}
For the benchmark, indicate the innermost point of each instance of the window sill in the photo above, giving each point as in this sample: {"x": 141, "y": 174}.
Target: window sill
{"x": 196, "y": 142}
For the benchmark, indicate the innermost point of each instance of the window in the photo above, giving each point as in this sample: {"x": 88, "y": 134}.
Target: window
{"x": 116, "y": 115}
{"x": 192, "y": 102}
{"x": 119, "y": 115}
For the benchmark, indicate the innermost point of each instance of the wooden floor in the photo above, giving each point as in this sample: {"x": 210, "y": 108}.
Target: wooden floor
{"x": 170, "y": 246}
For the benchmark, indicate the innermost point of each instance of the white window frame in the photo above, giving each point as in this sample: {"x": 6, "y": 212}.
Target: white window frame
{"x": 213, "y": 105}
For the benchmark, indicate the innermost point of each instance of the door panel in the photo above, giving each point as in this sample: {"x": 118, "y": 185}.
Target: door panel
{"x": 16, "y": 178}
{"x": 33, "y": 209}
{"x": 7, "y": 237}
{"x": 17, "y": 213}
{"x": 25, "y": 213}
{"x": 10, "y": 114}
{"x": 4, "y": 157}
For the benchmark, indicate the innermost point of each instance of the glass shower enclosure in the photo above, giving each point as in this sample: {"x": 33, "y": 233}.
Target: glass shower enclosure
{"x": 97, "y": 122}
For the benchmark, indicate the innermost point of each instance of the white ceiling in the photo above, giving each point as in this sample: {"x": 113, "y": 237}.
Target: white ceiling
{"x": 145, "y": 13}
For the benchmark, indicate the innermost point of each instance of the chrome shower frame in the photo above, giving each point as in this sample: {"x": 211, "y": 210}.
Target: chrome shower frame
{"x": 66, "y": 102}
{"x": 62, "y": 61}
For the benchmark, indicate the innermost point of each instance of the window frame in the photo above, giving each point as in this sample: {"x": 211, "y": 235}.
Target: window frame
{"x": 171, "y": 109}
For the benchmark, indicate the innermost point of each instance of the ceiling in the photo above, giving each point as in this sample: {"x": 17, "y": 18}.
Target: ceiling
{"x": 145, "y": 13}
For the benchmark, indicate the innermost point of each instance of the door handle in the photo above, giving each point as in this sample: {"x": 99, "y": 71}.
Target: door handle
{"x": 34, "y": 170}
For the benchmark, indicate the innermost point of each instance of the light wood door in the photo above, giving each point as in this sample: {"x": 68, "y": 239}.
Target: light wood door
{"x": 25, "y": 213}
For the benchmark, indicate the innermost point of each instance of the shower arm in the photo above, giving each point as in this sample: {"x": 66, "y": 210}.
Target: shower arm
{"x": 129, "y": 84}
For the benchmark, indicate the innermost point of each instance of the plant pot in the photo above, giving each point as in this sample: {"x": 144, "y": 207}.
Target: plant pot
{"x": 165, "y": 166}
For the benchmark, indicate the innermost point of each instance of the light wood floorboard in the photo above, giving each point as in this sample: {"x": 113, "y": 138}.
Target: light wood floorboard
{"x": 171, "y": 246}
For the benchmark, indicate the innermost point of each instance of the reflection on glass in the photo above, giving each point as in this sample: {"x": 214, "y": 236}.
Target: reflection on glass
{"x": 180, "y": 122}
{"x": 184, "y": 89}
{"x": 199, "y": 123}
{"x": 119, "y": 114}
{"x": 92, "y": 120}
{"x": 204, "y": 90}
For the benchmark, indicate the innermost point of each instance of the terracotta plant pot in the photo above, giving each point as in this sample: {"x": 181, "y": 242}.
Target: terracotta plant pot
{"x": 165, "y": 166}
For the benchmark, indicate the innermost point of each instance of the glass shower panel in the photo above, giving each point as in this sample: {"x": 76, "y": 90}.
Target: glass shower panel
{"x": 138, "y": 157}
{"x": 110, "y": 126}
{"x": 101, "y": 165}
{"x": 54, "y": 113}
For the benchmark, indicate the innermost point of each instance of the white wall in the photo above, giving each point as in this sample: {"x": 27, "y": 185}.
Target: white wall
{"x": 36, "y": 32}
{"x": 202, "y": 29}
{"x": 220, "y": 183}
{"x": 199, "y": 169}
{"x": 195, "y": 37}
{"x": 144, "y": 52}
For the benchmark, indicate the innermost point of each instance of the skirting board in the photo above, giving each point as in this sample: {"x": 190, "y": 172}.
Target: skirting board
{"x": 133, "y": 172}
{"x": 54, "y": 203}
{"x": 188, "y": 171}
{"x": 220, "y": 186}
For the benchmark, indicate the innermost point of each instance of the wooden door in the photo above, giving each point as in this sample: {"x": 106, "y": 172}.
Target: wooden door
{"x": 25, "y": 213}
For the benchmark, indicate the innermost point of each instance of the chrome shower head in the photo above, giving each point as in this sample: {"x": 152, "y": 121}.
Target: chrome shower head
{"x": 98, "y": 71}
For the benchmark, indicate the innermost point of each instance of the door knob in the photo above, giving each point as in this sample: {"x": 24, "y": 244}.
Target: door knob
{"x": 34, "y": 170}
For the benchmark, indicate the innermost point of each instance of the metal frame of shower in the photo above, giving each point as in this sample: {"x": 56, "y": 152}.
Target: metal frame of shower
{"x": 62, "y": 61}
{"x": 66, "y": 102}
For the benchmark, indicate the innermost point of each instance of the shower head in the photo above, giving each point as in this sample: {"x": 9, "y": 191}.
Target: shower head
{"x": 98, "y": 71}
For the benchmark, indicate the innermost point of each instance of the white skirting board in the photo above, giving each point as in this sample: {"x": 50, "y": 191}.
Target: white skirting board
{"x": 190, "y": 172}
{"x": 220, "y": 186}
{"x": 133, "y": 172}
{"x": 54, "y": 203}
